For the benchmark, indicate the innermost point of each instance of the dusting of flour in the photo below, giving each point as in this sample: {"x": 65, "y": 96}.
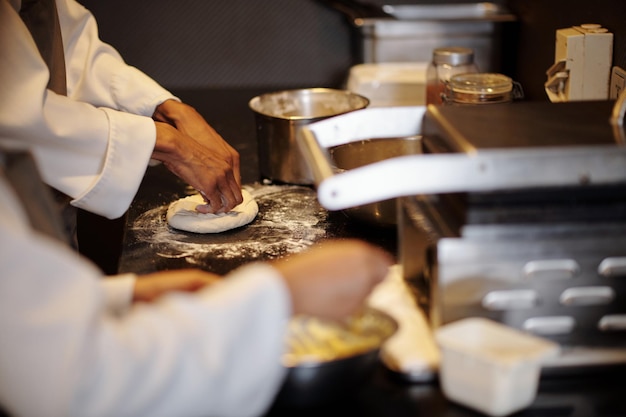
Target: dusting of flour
{"x": 289, "y": 220}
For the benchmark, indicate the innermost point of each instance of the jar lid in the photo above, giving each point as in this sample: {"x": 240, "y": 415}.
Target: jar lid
{"x": 481, "y": 83}
{"x": 454, "y": 55}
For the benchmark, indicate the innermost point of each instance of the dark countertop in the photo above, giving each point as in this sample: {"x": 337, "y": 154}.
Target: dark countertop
{"x": 289, "y": 219}
{"x": 149, "y": 245}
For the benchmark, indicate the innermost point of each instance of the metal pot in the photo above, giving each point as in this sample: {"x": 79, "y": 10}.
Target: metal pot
{"x": 280, "y": 117}
{"x": 364, "y": 152}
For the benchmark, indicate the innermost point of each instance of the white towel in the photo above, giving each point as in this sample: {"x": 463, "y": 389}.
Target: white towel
{"x": 412, "y": 350}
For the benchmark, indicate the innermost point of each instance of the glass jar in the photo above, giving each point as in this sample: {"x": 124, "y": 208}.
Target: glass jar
{"x": 446, "y": 63}
{"x": 479, "y": 88}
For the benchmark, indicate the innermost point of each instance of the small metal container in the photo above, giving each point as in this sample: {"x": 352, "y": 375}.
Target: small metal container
{"x": 280, "y": 117}
{"x": 360, "y": 153}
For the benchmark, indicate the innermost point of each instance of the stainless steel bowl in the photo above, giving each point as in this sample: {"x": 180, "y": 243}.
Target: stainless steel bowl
{"x": 364, "y": 152}
{"x": 280, "y": 117}
{"x": 319, "y": 378}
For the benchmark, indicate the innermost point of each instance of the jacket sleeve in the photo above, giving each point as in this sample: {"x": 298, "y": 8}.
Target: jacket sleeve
{"x": 216, "y": 352}
{"x": 93, "y": 145}
{"x": 96, "y": 73}
{"x": 118, "y": 292}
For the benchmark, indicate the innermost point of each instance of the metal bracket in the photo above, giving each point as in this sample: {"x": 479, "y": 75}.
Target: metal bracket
{"x": 617, "y": 118}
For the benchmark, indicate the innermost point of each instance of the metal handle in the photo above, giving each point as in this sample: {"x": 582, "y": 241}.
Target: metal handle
{"x": 488, "y": 170}
{"x": 316, "y": 157}
{"x": 356, "y": 10}
{"x": 369, "y": 123}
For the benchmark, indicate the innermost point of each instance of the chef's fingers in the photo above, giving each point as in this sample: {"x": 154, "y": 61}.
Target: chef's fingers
{"x": 214, "y": 203}
{"x": 205, "y": 208}
{"x": 237, "y": 170}
{"x": 221, "y": 201}
{"x": 152, "y": 286}
{"x": 230, "y": 189}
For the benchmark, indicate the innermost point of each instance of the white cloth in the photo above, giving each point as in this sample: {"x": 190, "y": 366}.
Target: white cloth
{"x": 412, "y": 350}
{"x": 118, "y": 292}
{"x": 63, "y": 353}
{"x": 95, "y": 144}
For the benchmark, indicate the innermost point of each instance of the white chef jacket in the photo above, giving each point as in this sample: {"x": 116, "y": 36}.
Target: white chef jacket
{"x": 95, "y": 144}
{"x": 64, "y": 352}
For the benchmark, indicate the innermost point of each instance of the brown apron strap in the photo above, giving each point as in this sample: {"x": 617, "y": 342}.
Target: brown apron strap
{"x": 42, "y": 20}
{"x": 21, "y": 172}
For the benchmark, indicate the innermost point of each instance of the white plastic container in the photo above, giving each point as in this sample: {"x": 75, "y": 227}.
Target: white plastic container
{"x": 390, "y": 84}
{"x": 490, "y": 367}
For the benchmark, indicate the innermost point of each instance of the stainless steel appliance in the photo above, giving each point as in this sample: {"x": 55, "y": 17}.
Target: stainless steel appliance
{"x": 550, "y": 260}
{"x": 515, "y": 212}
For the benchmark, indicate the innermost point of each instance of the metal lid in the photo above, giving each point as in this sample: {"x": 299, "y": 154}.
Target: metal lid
{"x": 481, "y": 83}
{"x": 454, "y": 55}
{"x": 478, "y": 88}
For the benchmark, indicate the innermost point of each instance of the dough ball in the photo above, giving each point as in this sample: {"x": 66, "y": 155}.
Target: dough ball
{"x": 182, "y": 215}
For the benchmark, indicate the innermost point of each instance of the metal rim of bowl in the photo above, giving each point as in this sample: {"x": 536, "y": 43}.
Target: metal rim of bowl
{"x": 252, "y": 104}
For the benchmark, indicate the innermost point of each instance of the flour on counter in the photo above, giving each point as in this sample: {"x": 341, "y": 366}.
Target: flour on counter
{"x": 289, "y": 220}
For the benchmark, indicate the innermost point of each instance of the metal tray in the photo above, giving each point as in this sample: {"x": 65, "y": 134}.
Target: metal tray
{"x": 413, "y": 31}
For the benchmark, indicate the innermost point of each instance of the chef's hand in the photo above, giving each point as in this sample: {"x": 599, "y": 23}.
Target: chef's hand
{"x": 152, "y": 286}
{"x": 333, "y": 279}
{"x": 194, "y": 151}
